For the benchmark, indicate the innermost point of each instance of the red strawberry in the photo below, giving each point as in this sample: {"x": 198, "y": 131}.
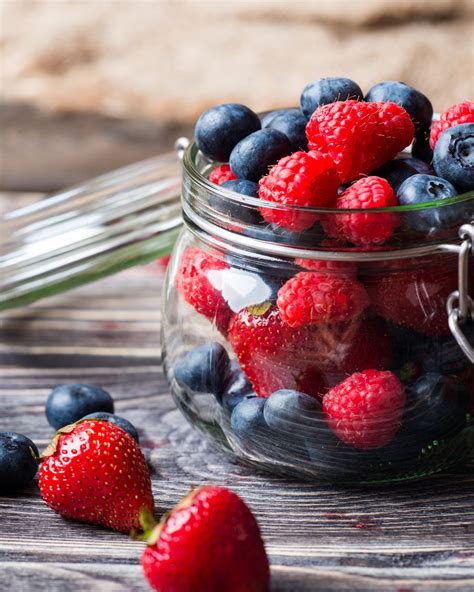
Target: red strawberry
{"x": 209, "y": 542}
{"x": 93, "y": 471}
{"x": 366, "y": 409}
{"x": 300, "y": 179}
{"x": 455, "y": 115}
{"x": 359, "y": 136}
{"x": 360, "y": 228}
{"x": 311, "y": 298}
{"x": 272, "y": 354}
{"x": 193, "y": 282}
{"x": 222, "y": 174}
{"x": 414, "y": 293}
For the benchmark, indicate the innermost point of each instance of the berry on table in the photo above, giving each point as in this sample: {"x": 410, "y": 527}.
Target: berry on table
{"x": 222, "y": 174}
{"x": 359, "y": 137}
{"x": 328, "y": 90}
{"x": 70, "y": 402}
{"x": 421, "y": 189}
{"x": 203, "y": 369}
{"x": 453, "y": 157}
{"x": 301, "y": 179}
{"x": 360, "y": 228}
{"x": 313, "y": 298}
{"x": 292, "y": 123}
{"x": 415, "y": 103}
{"x": 192, "y": 281}
{"x": 365, "y": 410}
{"x": 210, "y": 541}
{"x": 219, "y": 129}
{"x": 255, "y": 154}
{"x": 455, "y": 115}
{"x": 18, "y": 462}
{"x": 121, "y": 422}
{"x": 93, "y": 471}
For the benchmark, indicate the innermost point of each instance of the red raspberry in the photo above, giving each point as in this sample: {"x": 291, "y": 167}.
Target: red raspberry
{"x": 358, "y": 136}
{"x": 273, "y": 355}
{"x": 359, "y": 228}
{"x": 338, "y": 267}
{"x": 312, "y": 298}
{"x": 193, "y": 283}
{"x": 222, "y": 174}
{"x": 455, "y": 115}
{"x": 306, "y": 179}
{"x": 414, "y": 297}
{"x": 365, "y": 410}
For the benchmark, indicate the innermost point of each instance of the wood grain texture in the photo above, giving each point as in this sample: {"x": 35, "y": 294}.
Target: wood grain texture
{"x": 417, "y": 537}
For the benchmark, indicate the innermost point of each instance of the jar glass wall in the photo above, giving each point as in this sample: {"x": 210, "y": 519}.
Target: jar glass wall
{"x": 248, "y": 368}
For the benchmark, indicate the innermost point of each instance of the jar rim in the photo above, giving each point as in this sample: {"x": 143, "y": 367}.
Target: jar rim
{"x": 190, "y": 165}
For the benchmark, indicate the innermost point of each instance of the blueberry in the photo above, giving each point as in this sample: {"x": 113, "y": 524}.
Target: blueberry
{"x": 291, "y": 411}
{"x": 235, "y": 210}
{"x": 204, "y": 369}
{"x": 395, "y": 172}
{"x": 18, "y": 464}
{"x": 121, "y": 422}
{"x": 247, "y": 419}
{"x": 270, "y": 116}
{"x": 237, "y": 387}
{"x": 417, "y": 105}
{"x": 420, "y": 166}
{"x": 423, "y": 189}
{"x": 221, "y": 128}
{"x": 292, "y": 123}
{"x": 436, "y": 407}
{"x": 70, "y": 402}
{"x": 277, "y": 234}
{"x": 421, "y": 149}
{"x": 242, "y": 186}
{"x": 255, "y": 154}
{"x": 444, "y": 355}
{"x": 328, "y": 90}
{"x": 453, "y": 157}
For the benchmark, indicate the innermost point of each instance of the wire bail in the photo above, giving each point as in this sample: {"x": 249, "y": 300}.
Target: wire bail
{"x": 460, "y": 304}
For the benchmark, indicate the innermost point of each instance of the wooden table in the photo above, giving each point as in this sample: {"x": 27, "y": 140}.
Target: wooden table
{"x": 415, "y": 537}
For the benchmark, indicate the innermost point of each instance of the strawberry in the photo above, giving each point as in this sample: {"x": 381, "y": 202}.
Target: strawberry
{"x": 209, "y": 542}
{"x": 93, "y": 471}
{"x": 193, "y": 281}
{"x": 272, "y": 354}
{"x": 358, "y": 136}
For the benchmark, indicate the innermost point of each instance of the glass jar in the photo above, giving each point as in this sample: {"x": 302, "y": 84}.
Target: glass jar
{"x": 257, "y": 382}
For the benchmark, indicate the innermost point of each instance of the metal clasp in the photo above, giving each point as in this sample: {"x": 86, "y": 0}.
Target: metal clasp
{"x": 460, "y": 304}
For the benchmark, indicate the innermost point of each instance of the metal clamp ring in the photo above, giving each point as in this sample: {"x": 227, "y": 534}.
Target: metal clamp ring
{"x": 460, "y": 304}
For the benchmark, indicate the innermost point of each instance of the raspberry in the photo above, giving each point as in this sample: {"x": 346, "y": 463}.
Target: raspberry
{"x": 455, "y": 115}
{"x": 312, "y": 298}
{"x": 306, "y": 179}
{"x": 193, "y": 283}
{"x": 348, "y": 268}
{"x": 222, "y": 174}
{"x": 273, "y": 355}
{"x": 365, "y": 410}
{"x": 359, "y": 228}
{"x": 358, "y": 136}
{"x": 415, "y": 297}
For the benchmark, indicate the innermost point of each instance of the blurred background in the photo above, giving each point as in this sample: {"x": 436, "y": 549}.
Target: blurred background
{"x": 89, "y": 85}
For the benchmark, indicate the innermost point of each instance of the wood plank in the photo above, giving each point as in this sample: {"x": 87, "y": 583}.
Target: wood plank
{"x": 417, "y": 536}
